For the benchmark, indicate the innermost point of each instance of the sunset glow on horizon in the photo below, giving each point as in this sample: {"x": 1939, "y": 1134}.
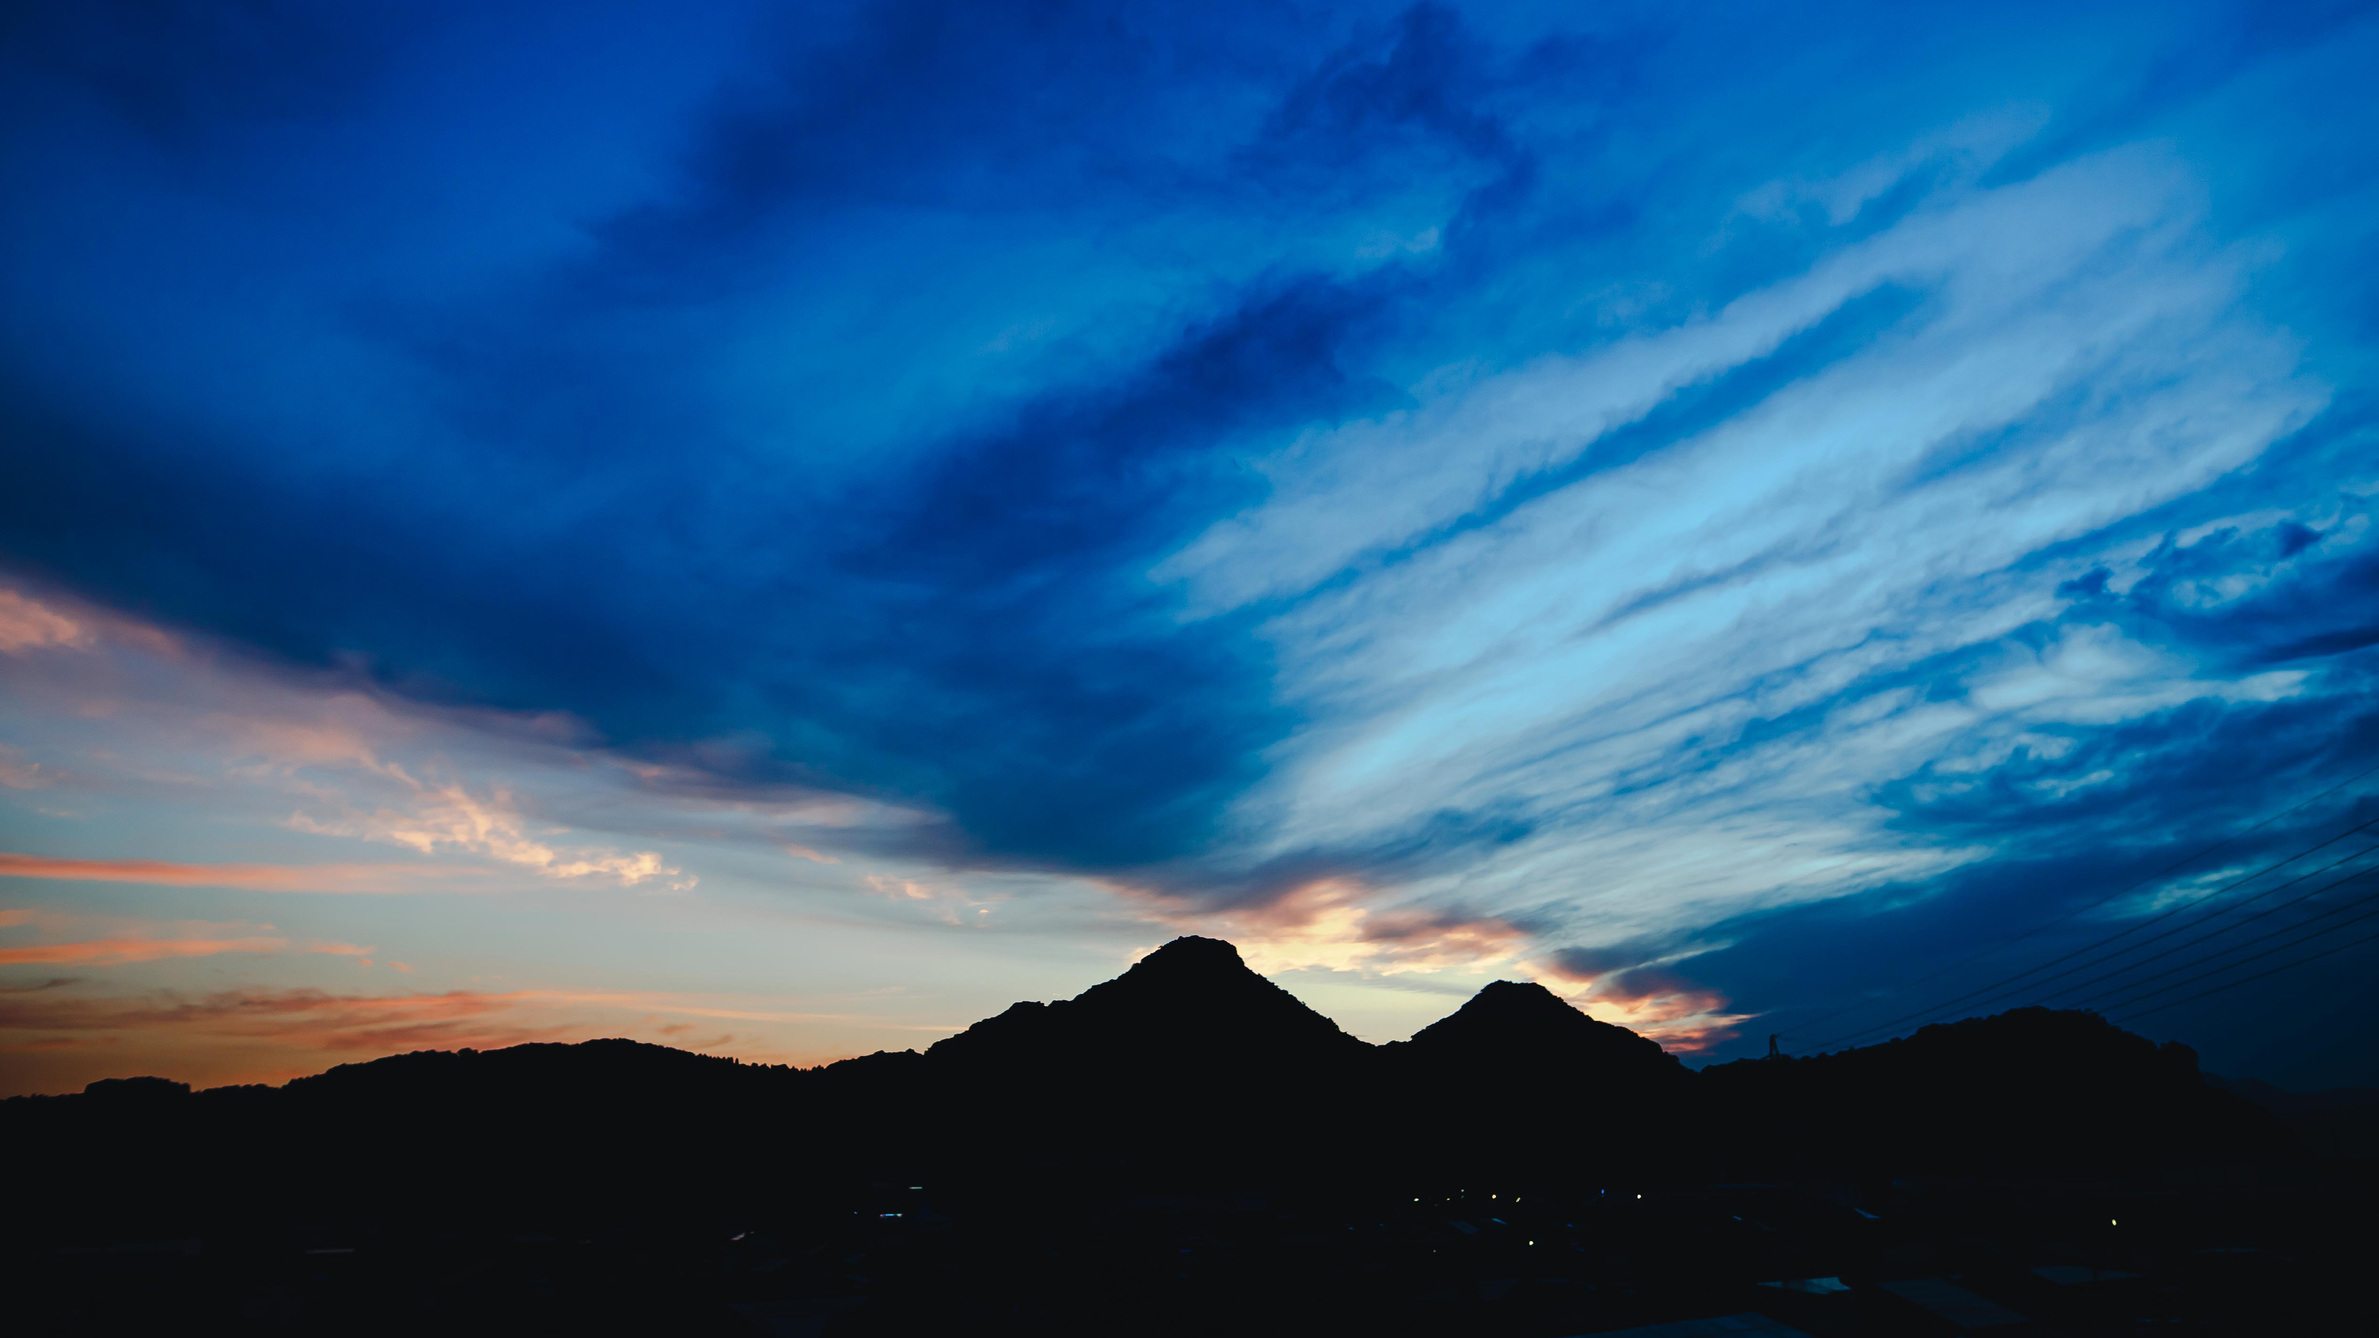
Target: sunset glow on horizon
{"x": 781, "y": 532}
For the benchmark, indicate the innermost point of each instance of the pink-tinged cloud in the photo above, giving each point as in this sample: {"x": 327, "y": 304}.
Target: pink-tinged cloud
{"x": 1650, "y": 1000}
{"x": 118, "y": 942}
{"x": 1333, "y": 923}
{"x": 16, "y": 775}
{"x": 450, "y": 816}
{"x": 28, "y": 624}
{"x": 248, "y": 877}
{"x": 256, "y": 1034}
{"x": 118, "y": 951}
{"x": 307, "y": 1019}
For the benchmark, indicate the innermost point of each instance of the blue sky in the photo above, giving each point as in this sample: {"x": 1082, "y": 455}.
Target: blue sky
{"x": 830, "y": 518}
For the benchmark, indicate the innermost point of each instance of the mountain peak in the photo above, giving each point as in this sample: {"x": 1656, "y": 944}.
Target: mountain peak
{"x": 1512, "y": 1022}
{"x": 1507, "y": 1005}
{"x": 1200, "y": 987}
{"x": 1521, "y": 998}
{"x": 1191, "y": 954}
{"x": 1194, "y": 996}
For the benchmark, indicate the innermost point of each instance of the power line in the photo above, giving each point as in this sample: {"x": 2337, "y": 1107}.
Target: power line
{"x": 2133, "y": 886}
{"x": 2260, "y": 975}
{"x": 2256, "y": 957}
{"x": 2211, "y": 935}
{"x": 1998, "y": 988}
{"x": 2212, "y": 915}
{"x": 2003, "y": 982}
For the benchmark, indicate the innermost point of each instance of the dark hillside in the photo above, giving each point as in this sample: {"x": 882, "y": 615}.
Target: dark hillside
{"x": 1189, "y": 1056}
{"x": 1519, "y": 1078}
{"x": 1192, "y": 1148}
{"x": 2032, "y": 1092}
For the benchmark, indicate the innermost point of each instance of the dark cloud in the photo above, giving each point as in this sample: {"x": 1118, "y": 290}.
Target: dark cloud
{"x": 1432, "y": 86}
{"x": 970, "y": 632}
{"x": 180, "y": 68}
{"x": 962, "y": 636}
{"x": 1063, "y": 706}
{"x": 989, "y": 107}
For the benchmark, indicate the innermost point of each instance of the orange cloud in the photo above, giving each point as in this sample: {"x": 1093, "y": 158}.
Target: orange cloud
{"x": 117, "y": 951}
{"x": 27, "y": 624}
{"x": 1647, "y": 999}
{"x": 1326, "y": 924}
{"x": 310, "y": 1018}
{"x": 259, "y": 1034}
{"x": 677, "y": 1034}
{"x": 249, "y": 877}
{"x": 138, "y": 941}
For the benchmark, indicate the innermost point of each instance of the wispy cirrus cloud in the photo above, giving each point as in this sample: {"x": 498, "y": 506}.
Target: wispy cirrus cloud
{"x": 131, "y": 941}
{"x": 450, "y": 817}
{"x": 332, "y": 745}
{"x": 311, "y": 1019}
{"x": 1335, "y": 923}
{"x": 118, "y": 951}
{"x": 1620, "y": 985}
{"x": 252, "y": 877}
{"x": 16, "y": 775}
{"x": 1675, "y": 606}
{"x": 28, "y": 624}
{"x": 256, "y": 1032}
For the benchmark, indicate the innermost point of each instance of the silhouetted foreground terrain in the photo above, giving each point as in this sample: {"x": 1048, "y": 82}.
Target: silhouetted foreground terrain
{"x": 1189, "y": 1149}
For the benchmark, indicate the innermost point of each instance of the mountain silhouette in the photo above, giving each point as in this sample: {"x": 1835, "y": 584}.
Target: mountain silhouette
{"x": 1510, "y": 1027}
{"x": 1183, "y": 1148}
{"x": 2032, "y": 1090}
{"x": 1519, "y": 1077}
{"x": 1189, "y": 1069}
{"x": 1190, "y": 1004}
{"x": 1189, "y": 1052}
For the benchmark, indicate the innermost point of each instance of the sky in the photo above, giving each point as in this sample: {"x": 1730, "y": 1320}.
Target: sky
{"x": 782, "y": 529}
